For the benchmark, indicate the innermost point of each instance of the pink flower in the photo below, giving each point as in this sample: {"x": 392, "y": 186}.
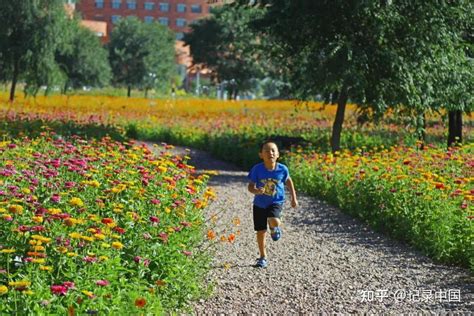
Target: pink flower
{"x": 155, "y": 201}
{"x": 55, "y": 198}
{"x": 68, "y": 284}
{"x": 187, "y": 253}
{"x": 58, "y": 289}
{"x": 154, "y": 219}
{"x": 163, "y": 236}
{"x": 137, "y": 259}
{"x": 102, "y": 282}
{"x": 146, "y": 262}
{"x": 89, "y": 259}
{"x": 146, "y": 236}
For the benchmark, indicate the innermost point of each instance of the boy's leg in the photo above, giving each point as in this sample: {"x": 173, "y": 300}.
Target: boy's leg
{"x": 274, "y": 222}
{"x": 260, "y": 226}
{"x": 261, "y": 234}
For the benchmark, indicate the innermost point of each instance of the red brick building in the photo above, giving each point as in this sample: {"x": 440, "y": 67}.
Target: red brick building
{"x": 176, "y": 14}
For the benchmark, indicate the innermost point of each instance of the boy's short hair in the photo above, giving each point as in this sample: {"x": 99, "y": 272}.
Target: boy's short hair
{"x": 268, "y": 141}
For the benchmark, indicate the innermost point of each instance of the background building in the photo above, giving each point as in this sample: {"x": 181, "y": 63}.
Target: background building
{"x": 176, "y": 14}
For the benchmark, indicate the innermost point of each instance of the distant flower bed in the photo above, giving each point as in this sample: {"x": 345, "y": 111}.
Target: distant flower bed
{"x": 424, "y": 197}
{"x": 98, "y": 226}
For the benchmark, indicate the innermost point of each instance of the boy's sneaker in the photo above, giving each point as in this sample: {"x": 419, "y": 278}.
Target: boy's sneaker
{"x": 276, "y": 233}
{"x": 261, "y": 263}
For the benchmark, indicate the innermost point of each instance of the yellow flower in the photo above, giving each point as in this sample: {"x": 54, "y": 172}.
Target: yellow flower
{"x": 72, "y": 254}
{"x": 15, "y": 208}
{"x": 87, "y": 238}
{"x": 75, "y": 235}
{"x": 105, "y": 245}
{"x": 41, "y": 238}
{"x": 19, "y": 283}
{"x": 117, "y": 245}
{"x": 37, "y": 219}
{"x": 99, "y": 236}
{"x": 46, "y": 268}
{"x": 61, "y": 249}
{"x": 11, "y": 250}
{"x": 88, "y": 293}
{"x": 75, "y": 201}
{"x": 41, "y": 261}
{"x": 103, "y": 258}
{"x": 3, "y": 289}
{"x": 54, "y": 211}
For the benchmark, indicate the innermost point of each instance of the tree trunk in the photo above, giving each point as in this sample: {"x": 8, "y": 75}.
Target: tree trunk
{"x": 129, "y": 91}
{"x": 66, "y": 86}
{"x": 337, "y": 126}
{"x": 421, "y": 130}
{"x": 454, "y": 127}
{"x": 146, "y": 93}
{"x": 16, "y": 70}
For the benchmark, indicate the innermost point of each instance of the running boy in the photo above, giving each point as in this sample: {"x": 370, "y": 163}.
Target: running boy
{"x": 267, "y": 182}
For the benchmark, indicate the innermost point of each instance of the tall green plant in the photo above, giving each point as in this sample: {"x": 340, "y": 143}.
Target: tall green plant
{"x": 139, "y": 52}
{"x": 30, "y": 31}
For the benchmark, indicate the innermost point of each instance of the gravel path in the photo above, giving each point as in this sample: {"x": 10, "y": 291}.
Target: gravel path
{"x": 325, "y": 262}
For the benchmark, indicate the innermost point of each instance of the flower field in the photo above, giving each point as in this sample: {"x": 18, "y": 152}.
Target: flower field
{"x": 98, "y": 227}
{"x": 424, "y": 197}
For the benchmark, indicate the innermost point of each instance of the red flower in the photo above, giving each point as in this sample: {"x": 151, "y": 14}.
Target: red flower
{"x": 58, "y": 289}
{"x": 140, "y": 302}
{"x": 107, "y": 220}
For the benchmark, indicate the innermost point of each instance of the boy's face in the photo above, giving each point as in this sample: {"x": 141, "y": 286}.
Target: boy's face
{"x": 269, "y": 153}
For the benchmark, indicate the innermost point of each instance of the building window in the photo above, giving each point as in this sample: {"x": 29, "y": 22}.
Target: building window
{"x": 149, "y": 6}
{"x": 164, "y": 21}
{"x": 164, "y": 7}
{"x": 196, "y": 8}
{"x": 148, "y": 19}
{"x": 116, "y": 4}
{"x": 179, "y": 36}
{"x": 131, "y": 5}
{"x": 181, "y": 7}
{"x": 115, "y": 18}
{"x": 99, "y": 4}
{"x": 180, "y": 22}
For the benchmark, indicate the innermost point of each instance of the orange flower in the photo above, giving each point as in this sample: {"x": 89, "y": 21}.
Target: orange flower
{"x": 236, "y": 221}
{"x": 231, "y": 238}
{"x": 160, "y": 283}
{"x": 140, "y": 302}
{"x": 211, "y": 235}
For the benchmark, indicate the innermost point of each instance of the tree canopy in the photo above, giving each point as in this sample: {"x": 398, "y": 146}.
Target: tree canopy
{"x": 82, "y": 58}
{"x": 30, "y": 31}
{"x": 141, "y": 55}
{"x": 378, "y": 54}
{"x": 225, "y": 43}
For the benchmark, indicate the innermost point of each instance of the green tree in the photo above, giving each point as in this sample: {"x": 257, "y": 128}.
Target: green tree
{"x": 30, "y": 31}
{"x": 139, "y": 53}
{"x": 82, "y": 58}
{"x": 226, "y": 44}
{"x": 434, "y": 71}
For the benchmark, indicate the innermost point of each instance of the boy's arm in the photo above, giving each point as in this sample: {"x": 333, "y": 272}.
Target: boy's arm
{"x": 253, "y": 188}
{"x": 291, "y": 187}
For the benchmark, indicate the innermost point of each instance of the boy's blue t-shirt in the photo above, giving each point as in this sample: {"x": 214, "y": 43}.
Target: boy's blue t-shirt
{"x": 273, "y": 182}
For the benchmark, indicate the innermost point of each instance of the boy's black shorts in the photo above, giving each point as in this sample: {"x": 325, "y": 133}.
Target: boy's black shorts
{"x": 260, "y": 215}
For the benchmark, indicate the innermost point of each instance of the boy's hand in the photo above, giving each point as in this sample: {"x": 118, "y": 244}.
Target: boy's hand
{"x": 259, "y": 191}
{"x": 294, "y": 203}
